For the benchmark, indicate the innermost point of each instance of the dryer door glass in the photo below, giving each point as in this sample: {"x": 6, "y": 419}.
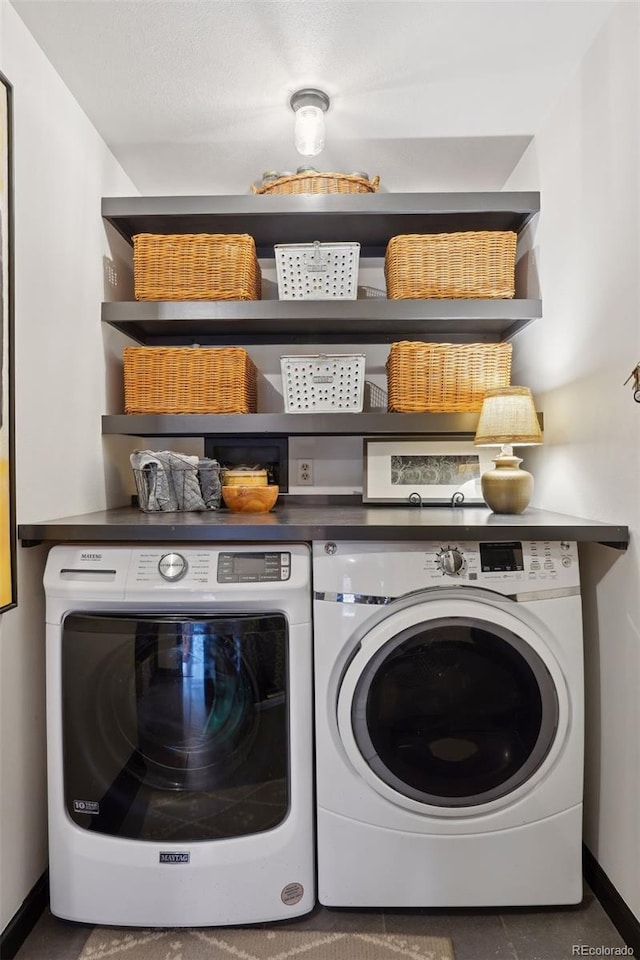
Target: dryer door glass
{"x": 175, "y": 728}
{"x": 454, "y": 712}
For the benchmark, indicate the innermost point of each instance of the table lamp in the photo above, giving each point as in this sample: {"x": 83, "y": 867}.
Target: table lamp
{"x": 508, "y": 418}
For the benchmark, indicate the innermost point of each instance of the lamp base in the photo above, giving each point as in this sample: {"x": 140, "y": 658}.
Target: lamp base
{"x": 507, "y": 489}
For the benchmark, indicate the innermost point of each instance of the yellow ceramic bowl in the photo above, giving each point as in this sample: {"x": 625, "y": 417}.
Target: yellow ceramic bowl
{"x": 250, "y": 499}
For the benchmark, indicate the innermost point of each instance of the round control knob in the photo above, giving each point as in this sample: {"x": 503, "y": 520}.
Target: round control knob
{"x": 451, "y": 561}
{"x": 172, "y": 566}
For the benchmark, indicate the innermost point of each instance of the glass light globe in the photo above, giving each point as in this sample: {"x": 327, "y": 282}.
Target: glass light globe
{"x": 309, "y": 130}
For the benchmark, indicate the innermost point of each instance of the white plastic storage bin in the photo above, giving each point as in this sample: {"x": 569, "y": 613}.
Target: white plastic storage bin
{"x": 323, "y": 383}
{"x": 317, "y": 271}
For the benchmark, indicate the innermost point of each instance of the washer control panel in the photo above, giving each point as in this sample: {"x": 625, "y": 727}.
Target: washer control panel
{"x": 157, "y": 567}
{"x": 489, "y": 562}
{"x": 194, "y": 568}
{"x": 253, "y": 567}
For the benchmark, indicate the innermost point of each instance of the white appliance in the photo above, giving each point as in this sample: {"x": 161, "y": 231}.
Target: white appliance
{"x": 449, "y": 723}
{"x": 179, "y": 688}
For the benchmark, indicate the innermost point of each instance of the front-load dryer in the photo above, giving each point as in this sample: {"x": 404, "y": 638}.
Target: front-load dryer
{"x": 180, "y": 756}
{"x": 449, "y": 723}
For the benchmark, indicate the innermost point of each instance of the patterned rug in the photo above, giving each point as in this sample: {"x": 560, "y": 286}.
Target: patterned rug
{"x": 240, "y": 943}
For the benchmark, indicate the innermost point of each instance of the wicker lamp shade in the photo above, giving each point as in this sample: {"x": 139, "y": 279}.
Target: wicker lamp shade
{"x": 508, "y": 416}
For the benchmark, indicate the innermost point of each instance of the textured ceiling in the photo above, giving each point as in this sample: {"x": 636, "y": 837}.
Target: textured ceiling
{"x": 192, "y": 95}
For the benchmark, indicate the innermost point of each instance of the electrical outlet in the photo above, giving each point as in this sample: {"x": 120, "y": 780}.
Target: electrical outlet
{"x": 305, "y": 473}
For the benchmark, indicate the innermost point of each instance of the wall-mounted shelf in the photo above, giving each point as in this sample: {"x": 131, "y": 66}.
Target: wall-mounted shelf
{"x": 371, "y": 219}
{"x": 335, "y": 321}
{"x": 290, "y": 424}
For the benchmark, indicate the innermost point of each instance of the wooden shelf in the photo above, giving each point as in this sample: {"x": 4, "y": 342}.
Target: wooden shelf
{"x": 208, "y": 322}
{"x": 291, "y": 424}
{"x": 371, "y": 219}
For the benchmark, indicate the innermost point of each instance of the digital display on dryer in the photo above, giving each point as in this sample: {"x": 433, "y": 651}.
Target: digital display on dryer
{"x": 501, "y": 557}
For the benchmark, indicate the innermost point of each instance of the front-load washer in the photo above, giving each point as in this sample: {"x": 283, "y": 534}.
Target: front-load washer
{"x": 449, "y": 723}
{"x": 180, "y": 760}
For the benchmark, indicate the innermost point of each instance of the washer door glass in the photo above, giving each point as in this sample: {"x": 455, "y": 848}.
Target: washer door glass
{"x": 454, "y": 712}
{"x": 175, "y": 728}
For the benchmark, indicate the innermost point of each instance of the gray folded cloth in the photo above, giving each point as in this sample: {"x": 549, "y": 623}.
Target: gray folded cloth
{"x": 184, "y": 476}
{"x": 155, "y": 478}
{"x": 209, "y": 474}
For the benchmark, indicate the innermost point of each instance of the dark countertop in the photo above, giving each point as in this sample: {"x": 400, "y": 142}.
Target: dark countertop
{"x": 295, "y": 522}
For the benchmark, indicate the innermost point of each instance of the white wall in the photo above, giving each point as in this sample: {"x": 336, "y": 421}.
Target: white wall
{"x": 61, "y": 170}
{"x": 586, "y": 251}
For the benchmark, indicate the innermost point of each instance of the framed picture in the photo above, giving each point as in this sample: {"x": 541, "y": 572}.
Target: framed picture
{"x": 430, "y": 471}
{"x": 7, "y": 482}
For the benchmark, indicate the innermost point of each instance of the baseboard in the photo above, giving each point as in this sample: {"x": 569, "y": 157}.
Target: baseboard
{"x": 621, "y": 916}
{"x": 19, "y": 928}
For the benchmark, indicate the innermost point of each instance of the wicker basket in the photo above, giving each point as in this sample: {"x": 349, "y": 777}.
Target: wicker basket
{"x": 196, "y": 266}
{"x": 188, "y": 380}
{"x": 319, "y": 183}
{"x": 445, "y": 377}
{"x": 478, "y": 264}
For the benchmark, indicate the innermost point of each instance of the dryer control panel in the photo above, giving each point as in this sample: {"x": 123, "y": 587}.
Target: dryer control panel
{"x": 380, "y": 572}
{"x": 491, "y": 563}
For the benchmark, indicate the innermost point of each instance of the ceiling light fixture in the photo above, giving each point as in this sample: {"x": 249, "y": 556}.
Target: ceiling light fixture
{"x": 309, "y": 106}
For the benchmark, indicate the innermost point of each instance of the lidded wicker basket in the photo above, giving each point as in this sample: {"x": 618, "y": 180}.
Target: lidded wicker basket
{"x": 468, "y": 264}
{"x": 445, "y": 377}
{"x": 196, "y": 266}
{"x": 188, "y": 380}
{"x": 311, "y": 182}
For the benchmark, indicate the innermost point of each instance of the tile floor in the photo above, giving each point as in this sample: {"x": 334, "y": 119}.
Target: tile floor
{"x": 501, "y": 934}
